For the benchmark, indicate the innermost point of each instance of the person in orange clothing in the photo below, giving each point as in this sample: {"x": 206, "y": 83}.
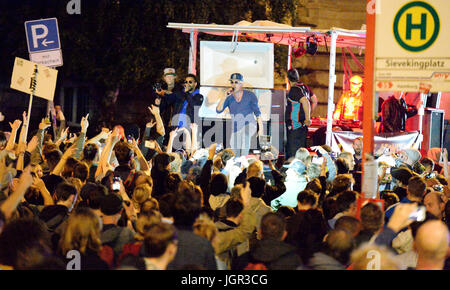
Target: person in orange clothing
{"x": 350, "y": 103}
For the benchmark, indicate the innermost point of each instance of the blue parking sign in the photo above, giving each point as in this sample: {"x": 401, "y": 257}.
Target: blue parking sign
{"x": 42, "y": 35}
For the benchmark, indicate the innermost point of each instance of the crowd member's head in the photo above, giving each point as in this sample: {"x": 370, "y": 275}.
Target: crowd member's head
{"x": 257, "y": 186}
{"x": 24, "y": 243}
{"x": 161, "y": 162}
{"x": 190, "y": 83}
{"x": 349, "y": 158}
{"x": 69, "y": 167}
{"x": 342, "y": 166}
{"x": 194, "y": 173}
{"x": 226, "y": 155}
{"x": 166, "y": 206}
{"x": 330, "y": 208}
{"x": 346, "y": 202}
{"x": 341, "y": 183}
{"x": 311, "y": 231}
{"x": 390, "y": 198}
{"x": 36, "y": 170}
{"x": 124, "y": 153}
{"x": 149, "y": 205}
{"x": 409, "y": 156}
{"x": 140, "y": 194}
{"x": 372, "y": 217}
{"x": 52, "y": 158}
{"x": 303, "y": 155}
{"x": 143, "y": 179}
{"x": 111, "y": 208}
{"x": 82, "y": 232}
{"x": 205, "y": 227}
{"x": 255, "y": 169}
{"x": 339, "y": 245}
{"x": 233, "y": 210}
{"x": 273, "y": 226}
{"x": 402, "y": 176}
{"x": 306, "y": 199}
{"x": 161, "y": 244}
{"x": 416, "y": 188}
{"x": 428, "y": 163}
{"x": 187, "y": 204}
{"x": 313, "y": 171}
{"x": 431, "y": 244}
{"x": 218, "y": 184}
{"x": 65, "y": 194}
{"x": 348, "y": 223}
{"x": 172, "y": 182}
{"x": 144, "y": 221}
{"x": 81, "y": 171}
{"x": 434, "y": 204}
{"x": 357, "y": 145}
{"x": 90, "y": 152}
{"x": 363, "y": 257}
{"x": 286, "y": 211}
{"x": 315, "y": 186}
{"x": 175, "y": 165}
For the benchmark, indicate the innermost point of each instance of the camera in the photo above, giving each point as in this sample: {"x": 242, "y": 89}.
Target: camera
{"x": 157, "y": 87}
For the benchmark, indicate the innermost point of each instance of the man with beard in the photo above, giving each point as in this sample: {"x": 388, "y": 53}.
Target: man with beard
{"x": 357, "y": 157}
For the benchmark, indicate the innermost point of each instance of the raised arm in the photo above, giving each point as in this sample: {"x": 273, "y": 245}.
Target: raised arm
{"x": 143, "y": 164}
{"x": 159, "y": 123}
{"x": 12, "y": 138}
{"x": 11, "y": 203}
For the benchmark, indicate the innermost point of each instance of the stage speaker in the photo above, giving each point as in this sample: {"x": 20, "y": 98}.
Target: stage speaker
{"x": 277, "y": 126}
{"x": 433, "y": 129}
{"x": 433, "y": 100}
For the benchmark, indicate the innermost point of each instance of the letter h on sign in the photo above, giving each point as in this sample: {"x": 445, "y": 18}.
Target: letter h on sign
{"x": 422, "y": 26}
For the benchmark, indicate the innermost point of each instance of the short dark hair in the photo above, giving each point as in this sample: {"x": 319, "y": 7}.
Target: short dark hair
{"x": 187, "y": 204}
{"x": 349, "y": 224}
{"x": 346, "y": 199}
{"x": 417, "y": 186}
{"x": 52, "y": 157}
{"x": 90, "y": 151}
{"x": 293, "y": 75}
{"x": 157, "y": 239}
{"x": 81, "y": 171}
{"x": 273, "y": 226}
{"x": 233, "y": 207}
{"x": 257, "y": 186}
{"x": 342, "y": 166}
{"x": 341, "y": 183}
{"x": 307, "y": 197}
{"x": 314, "y": 185}
{"x": 371, "y": 217}
{"x": 218, "y": 184}
{"x": 192, "y": 76}
{"x": 123, "y": 153}
{"x": 93, "y": 194}
{"x": 64, "y": 190}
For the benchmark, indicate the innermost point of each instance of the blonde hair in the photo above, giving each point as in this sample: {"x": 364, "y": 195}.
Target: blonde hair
{"x": 82, "y": 232}
{"x": 145, "y": 221}
{"x": 205, "y": 227}
{"x": 149, "y": 205}
{"x": 141, "y": 193}
{"x": 255, "y": 169}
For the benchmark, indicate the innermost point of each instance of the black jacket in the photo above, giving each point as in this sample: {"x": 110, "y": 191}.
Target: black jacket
{"x": 275, "y": 255}
{"x": 394, "y": 114}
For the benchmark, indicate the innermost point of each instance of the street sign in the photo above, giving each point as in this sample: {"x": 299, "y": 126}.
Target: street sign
{"x": 43, "y": 42}
{"x": 42, "y": 35}
{"x": 411, "y": 46}
{"x": 51, "y": 58}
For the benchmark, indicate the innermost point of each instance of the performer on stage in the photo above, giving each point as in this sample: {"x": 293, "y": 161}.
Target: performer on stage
{"x": 298, "y": 113}
{"x": 394, "y": 112}
{"x": 242, "y": 105}
{"x": 349, "y": 106}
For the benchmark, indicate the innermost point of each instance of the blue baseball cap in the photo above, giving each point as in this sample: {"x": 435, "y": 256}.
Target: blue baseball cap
{"x": 236, "y": 76}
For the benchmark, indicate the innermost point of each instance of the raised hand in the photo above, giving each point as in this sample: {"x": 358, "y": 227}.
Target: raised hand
{"x": 15, "y": 125}
{"x": 31, "y": 146}
{"x": 44, "y": 124}
{"x": 84, "y": 123}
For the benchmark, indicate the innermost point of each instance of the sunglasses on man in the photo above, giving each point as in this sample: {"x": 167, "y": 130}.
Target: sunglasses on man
{"x": 189, "y": 82}
{"x": 234, "y": 82}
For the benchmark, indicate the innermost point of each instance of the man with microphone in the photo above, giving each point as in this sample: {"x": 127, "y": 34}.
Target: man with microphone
{"x": 243, "y": 105}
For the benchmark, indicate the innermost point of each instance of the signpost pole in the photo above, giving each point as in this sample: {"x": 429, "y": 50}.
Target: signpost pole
{"x": 368, "y": 118}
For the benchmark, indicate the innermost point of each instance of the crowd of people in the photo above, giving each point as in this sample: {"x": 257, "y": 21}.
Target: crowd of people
{"x": 120, "y": 202}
